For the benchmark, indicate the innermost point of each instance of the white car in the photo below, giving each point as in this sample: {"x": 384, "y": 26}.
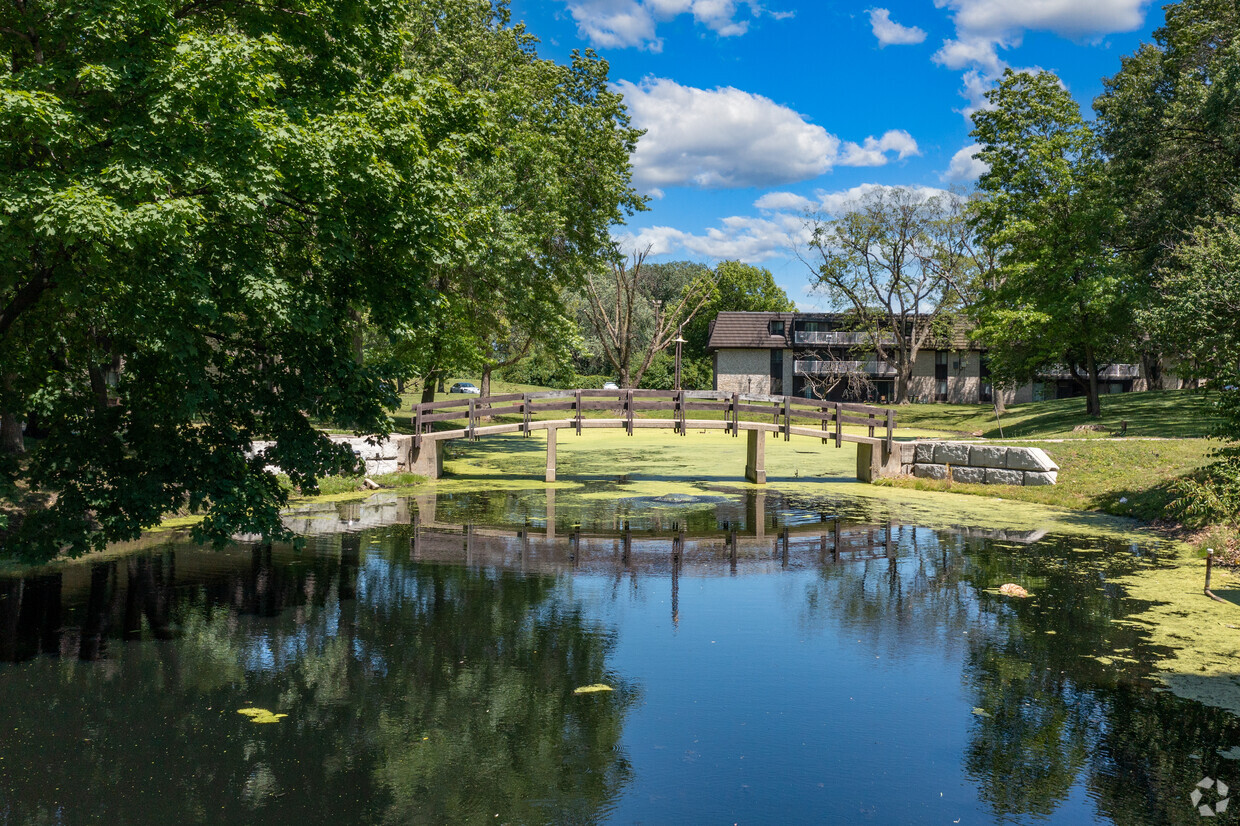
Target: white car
{"x": 465, "y": 387}
{"x": 610, "y": 385}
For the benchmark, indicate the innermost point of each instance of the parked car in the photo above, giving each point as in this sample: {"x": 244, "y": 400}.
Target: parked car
{"x": 610, "y": 385}
{"x": 464, "y": 387}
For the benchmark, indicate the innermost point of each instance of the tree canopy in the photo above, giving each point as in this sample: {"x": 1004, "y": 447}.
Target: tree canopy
{"x": 204, "y": 205}
{"x": 1057, "y": 300}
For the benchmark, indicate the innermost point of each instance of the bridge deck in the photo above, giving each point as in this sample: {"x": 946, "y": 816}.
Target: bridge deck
{"x": 666, "y": 424}
{"x": 756, "y": 415}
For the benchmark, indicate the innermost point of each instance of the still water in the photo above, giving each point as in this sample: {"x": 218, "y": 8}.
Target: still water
{"x": 772, "y": 658}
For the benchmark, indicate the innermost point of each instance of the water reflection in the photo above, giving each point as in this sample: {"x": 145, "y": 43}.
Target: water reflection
{"x": 428, "y": 665}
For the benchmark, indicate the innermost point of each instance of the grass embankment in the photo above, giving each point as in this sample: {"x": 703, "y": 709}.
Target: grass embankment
{"x": 1124, "y": 476}
{"x": 1171, "y": 414}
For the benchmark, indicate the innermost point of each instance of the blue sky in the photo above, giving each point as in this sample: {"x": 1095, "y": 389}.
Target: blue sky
{"x": 758, "y": 111}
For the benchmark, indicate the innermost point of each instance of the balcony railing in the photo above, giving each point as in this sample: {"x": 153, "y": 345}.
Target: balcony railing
{"x": 822, "y": 367}
{"x": 848, "y": 338}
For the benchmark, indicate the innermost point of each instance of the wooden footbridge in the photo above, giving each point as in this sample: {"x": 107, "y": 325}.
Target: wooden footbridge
{"x": 471, "y": 417}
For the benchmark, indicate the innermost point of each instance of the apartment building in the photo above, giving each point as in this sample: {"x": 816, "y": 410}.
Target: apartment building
{"x": 811, "y": 355}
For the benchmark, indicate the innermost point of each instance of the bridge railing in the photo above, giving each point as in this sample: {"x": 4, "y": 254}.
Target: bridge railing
{"x": 734, "y": 408}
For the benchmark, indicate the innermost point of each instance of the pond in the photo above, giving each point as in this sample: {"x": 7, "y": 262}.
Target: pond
{"x": 769, "y": 655}
{"x": 772, "y": 656}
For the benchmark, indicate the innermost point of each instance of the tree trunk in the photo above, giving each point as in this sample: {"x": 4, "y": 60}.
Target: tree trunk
{"x": 1093, "y": 406}
{"x": 485, "y": 389}
{"x": 11, "y": 434}
{"x": 10, "y": 428}
{"x": 904, "y": 377}
{"x": 428, "y": 390}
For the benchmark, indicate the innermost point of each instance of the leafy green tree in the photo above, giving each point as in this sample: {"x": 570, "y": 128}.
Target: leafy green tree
{"x": 1170, "y": 123}
{"x": 204, "y": 205}
{"x": 542, "y": 204}
{"x": 739, "y": 287}
{"x": 635, "y": 311}
{"x": 892, "y": 261}
{"x": 1058, "y": 298}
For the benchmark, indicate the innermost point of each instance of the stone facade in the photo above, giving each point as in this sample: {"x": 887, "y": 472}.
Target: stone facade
{"x": 745, "y": 371}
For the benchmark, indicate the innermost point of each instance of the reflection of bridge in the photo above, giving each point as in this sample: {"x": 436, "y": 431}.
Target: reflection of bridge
{"x": 472, "y": 418}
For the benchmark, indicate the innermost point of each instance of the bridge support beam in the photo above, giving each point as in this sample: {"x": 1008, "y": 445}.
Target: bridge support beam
{"x": 425, "y": 461}
{"x": 551, "y": 432}
{"x": 755, "y": 457}
{"x": 875, "y": 461}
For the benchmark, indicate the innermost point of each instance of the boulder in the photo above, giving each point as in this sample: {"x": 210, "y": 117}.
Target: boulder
{"x": 969, "y": 475}
{"x": 953, "y": 453}
{"x": 995, "y": 476}
{"x": 1030, "y": 458}
{"x": 930, "y": 471}
{"x": 1034, "y": 477}
{"x": 988, "y": 456}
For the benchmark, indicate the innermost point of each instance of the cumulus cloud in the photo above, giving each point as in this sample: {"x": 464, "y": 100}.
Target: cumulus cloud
{"x": 1067, "y": 18}
{"x": 873, "y": 152}
{"x": 984, "y": 27}
{"x": 777, "y": 233}
{"x": 783, "y": 201}
{"x": 634, "y": 23}
{"x": 725, "y": 137}
{"x": 891, "y": 33}
{"x": 965, "y": 167}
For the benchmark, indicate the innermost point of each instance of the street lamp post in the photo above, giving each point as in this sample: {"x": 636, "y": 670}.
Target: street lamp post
{"x": 680, "y": 340}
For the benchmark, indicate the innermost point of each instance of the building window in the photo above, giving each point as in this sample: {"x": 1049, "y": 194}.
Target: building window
{"x": 940, "y": 375}
{"x": 776, "y": 328}
{"x": 777, "y": 372}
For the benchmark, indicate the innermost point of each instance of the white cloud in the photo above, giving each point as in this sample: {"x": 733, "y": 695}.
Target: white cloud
{"x": 722, "y": 138}
{"x": 983, "y": 27}
{"x": 891, "y": 33}
{"x": 754, "y": 239}
{"x": 873, "y": 152}
{"x": 965, "y": 167}
{"x": 625, "y": 23}
{"x": 1067, "y": 18}
{"x": 783, "y": 201}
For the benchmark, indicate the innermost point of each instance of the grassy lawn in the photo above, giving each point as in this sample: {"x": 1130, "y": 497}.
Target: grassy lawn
{"x": 1096, "y": 475}
{"x": 1162, "y": 413}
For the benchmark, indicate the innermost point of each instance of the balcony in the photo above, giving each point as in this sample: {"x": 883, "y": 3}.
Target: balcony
{"x": 838, "y": 338}
{"x": 873, "y": 368}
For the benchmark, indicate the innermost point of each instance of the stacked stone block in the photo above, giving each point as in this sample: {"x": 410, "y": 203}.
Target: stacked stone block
{"x": 978, "y": 464}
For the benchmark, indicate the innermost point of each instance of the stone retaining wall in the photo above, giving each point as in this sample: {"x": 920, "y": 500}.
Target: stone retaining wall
{"x": 978, "y": 464}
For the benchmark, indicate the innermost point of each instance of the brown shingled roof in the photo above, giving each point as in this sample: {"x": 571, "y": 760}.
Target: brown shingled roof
{"x": 749, "y": 331}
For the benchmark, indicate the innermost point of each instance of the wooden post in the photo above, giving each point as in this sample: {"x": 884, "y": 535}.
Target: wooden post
{"x": 787, "y": 419}
{"x": 628, "y": 408}
{"x": 680, "y": 405}
{"x": 755, "y": 457}
{"x": 470, "y": 420}
{"x": 525, "y": 412}
{"x": 839, "y": 436}
{"x": 417, "y": 426}
{"x": 551, "y": 431}
{"x": 870, "y": 416}
{"x": 578, "y": 405}
{"x": 736, "y": 415}
{"x": 891, "y": 428}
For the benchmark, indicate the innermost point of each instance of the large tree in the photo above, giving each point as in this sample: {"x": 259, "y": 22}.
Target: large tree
{"x": 1057, "y": 299}
{"x": 1170, "y": 123}
{"x": 543, "y": 201}
{"x": 635, "y": 311}
{"x": 891, "y": 260}
{"x": 202, "y": 206}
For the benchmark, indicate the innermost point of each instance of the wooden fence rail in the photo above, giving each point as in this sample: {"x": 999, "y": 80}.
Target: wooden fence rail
{"x": 734, "y": 408}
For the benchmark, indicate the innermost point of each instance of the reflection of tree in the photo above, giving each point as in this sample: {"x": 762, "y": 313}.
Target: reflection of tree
{"x": 438, "y": 694}
{"x": 1051, "y": 712}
